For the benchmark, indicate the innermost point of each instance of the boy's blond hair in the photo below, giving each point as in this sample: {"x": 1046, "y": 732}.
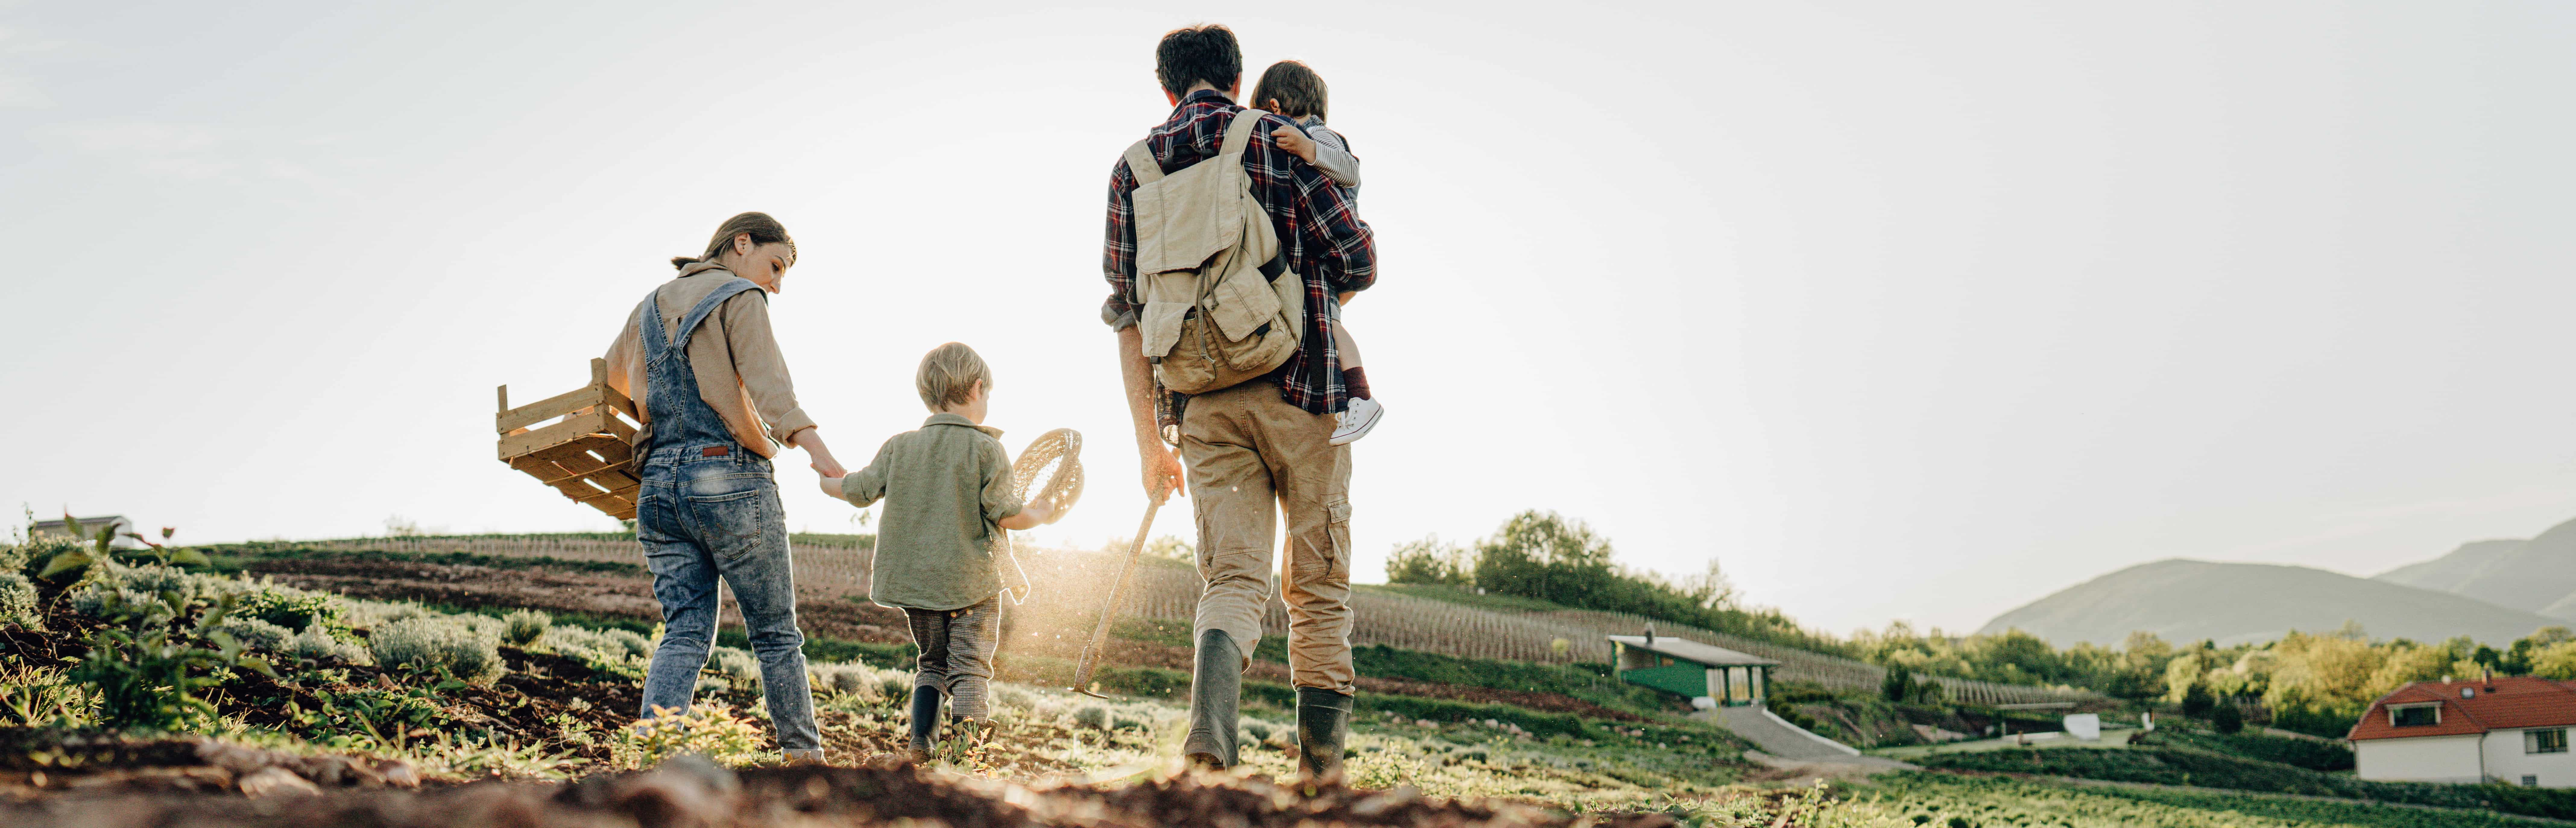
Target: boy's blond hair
{"x": 948, "y": 375}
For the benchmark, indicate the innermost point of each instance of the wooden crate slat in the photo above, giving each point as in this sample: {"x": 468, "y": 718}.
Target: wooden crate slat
{"x": 548, "y": 408}
{"x": 584, "y": 455}
{"x": 572, "y": 428}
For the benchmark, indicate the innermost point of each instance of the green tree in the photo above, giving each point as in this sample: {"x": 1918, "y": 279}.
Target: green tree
{"x": 1899, "y": 684}
{"x": 2196, "y": 701}
{"x": 1429, "y": 561}
{"x": 2228, "y": 719}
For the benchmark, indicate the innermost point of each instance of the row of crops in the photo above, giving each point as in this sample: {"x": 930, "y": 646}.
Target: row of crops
{"x": 1071, "y": 584}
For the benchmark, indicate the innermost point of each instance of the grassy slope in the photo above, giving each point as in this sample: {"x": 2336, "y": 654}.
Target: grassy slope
{"x": 1940, "y": 800}
{"x": 2171, "y": 763}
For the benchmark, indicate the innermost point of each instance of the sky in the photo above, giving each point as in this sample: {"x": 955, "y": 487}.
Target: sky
{"x": 1894, "y": 310}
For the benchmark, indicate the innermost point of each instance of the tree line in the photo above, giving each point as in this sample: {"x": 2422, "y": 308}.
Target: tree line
{"x": 2318, "y": 682}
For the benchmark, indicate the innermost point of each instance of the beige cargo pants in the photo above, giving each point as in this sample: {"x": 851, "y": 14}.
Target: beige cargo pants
{"x": 1251, "y": 457}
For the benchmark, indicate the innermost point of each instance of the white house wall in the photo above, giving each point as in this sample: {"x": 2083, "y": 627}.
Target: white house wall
{"x": 2423, "y": 758}
{"x": 2508, "y": 764}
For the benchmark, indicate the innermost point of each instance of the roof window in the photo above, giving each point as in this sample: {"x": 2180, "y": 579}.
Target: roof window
{"x": 2415, "y": 715}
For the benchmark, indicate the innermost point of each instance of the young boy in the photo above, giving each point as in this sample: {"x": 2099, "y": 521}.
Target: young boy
{"x": 947, "y": 488}
{"x": 1293, "y": 91}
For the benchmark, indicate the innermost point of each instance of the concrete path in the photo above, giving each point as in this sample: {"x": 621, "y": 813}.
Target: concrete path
{"x": 1779, "y": 738}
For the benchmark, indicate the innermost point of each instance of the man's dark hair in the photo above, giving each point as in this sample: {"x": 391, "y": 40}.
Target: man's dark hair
{"x": 1299, "y": 91}
{"x": 1205, "y": 52}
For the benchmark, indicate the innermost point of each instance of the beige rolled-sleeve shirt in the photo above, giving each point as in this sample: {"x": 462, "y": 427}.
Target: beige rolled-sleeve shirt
{"x": 739, "y": 370}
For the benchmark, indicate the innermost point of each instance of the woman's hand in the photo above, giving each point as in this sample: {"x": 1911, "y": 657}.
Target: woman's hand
{"x": 1295, "y": 142}
{"x": 811, "y": 440}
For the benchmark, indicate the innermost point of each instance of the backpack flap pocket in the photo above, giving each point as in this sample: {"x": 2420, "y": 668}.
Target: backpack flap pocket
{"x": 1184, "y": 219}
{"x": 1162, "y": 326}
{"x": 1242, "y": 302}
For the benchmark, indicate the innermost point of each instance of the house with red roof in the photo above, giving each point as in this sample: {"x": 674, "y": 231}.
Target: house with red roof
{"x": 2495, "y": 728}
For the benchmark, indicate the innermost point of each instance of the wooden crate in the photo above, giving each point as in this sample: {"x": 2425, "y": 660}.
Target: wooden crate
{"x": 583, "y": 451}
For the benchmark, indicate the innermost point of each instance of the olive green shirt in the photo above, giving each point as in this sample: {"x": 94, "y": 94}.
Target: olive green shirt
{"x": 946, "y": 487}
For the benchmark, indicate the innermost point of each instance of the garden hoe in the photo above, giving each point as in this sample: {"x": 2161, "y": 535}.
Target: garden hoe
{"x": 1091, "y": 652}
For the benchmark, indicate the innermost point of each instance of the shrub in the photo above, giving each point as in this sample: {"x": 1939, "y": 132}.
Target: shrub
{"x": 317, "y": 644}
{"x": 2197, "y": 701}
{"x": 1092, "y": 716}
{"x": 256, "y": 634}
{"x": 17, "y": 599}
{"x": 428, "y": 644}
{"x": 526, "y": 626}
{"x": 145, "y": 680}
{"x": 2227, "y": 719}
{"x": 709, "y": 729}
{"x": 288, "y": 609}
{"x": 738, "y": 664}
{"x": 637, "y": 646}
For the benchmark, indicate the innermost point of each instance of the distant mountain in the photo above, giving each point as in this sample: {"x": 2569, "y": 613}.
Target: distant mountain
{"x": 2447, "y": 573}
{"x": 2537, "y": 575}
{"x": 2186, "y": 601}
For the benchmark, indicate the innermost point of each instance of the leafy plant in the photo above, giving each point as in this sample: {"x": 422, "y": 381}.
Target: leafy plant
{"x": 710, "y": 729}
{"x": 436, "y": 645}
{"x": 17, "y": 600}
{"x": 2227, "y": 719}
{"x": 145, "y": 679}
{"x": 103, "y": 548}
{"x": 526, "y": 626}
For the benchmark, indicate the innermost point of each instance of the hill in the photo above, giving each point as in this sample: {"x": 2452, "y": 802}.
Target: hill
{"x": 2537, "y": 575}
{"x": 2447, "y": 573}
{"x": 2187, "y": 600}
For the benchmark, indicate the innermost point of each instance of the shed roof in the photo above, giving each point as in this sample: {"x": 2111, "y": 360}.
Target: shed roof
{"x": 1693, "y": 651}
{"x": 2504, "y": 703}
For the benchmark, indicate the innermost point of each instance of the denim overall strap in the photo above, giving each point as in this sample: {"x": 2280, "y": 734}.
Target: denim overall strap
{"x": 680, "y": 416}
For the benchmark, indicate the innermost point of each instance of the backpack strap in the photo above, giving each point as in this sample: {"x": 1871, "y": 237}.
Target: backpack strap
{"x": 1141, "y": 163}
{"x": 1239, "y": 133}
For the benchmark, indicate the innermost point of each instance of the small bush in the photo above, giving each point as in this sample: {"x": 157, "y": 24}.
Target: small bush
{"x": 288, "y": 609}
{"x": 710, "y": 729}
{"x": 526, "y": 626}
{"x": 17, "y": 599}
{"x": 317, "y": 644}
{"x": 1092, "y": 716}
{"x": 637, "y": 646}
{"x": 1014, "y": 698}
{"x": 255, "y": 634}
{"x": 2227, "y": 719}
{"x": 427, "y": 644}
{"x": 739, "y": 665}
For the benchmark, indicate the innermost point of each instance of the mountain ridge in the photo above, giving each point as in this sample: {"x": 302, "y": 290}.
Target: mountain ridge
{"x": 2186, "y": 600}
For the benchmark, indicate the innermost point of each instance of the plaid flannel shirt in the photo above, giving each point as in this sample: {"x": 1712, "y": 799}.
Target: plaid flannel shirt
{"x": 1326, "y": 243}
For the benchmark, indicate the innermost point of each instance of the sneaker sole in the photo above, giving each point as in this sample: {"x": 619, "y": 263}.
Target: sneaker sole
{"x": 1362, "y": 431}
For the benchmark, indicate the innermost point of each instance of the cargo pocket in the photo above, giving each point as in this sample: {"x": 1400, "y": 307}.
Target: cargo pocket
{"x": 729, "y": 512}
{"x": 1161, "y": 324}
{"x": 1332, "y": 558}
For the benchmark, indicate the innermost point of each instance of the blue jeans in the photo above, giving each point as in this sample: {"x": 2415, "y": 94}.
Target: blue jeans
{"x": 701, "y": 518}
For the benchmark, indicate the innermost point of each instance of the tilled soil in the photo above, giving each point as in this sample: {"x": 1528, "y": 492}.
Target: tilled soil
{"x": 826, "y": 615}
{"x": 691, "y": 793}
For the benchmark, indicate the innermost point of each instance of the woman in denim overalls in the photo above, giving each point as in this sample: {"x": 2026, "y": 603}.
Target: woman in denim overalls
{"x": 709, "y": 508}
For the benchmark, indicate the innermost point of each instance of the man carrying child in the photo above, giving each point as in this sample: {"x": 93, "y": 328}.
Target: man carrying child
{"x": 1260, "y": 448}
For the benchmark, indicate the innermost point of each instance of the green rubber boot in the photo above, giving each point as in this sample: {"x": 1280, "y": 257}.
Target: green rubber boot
{"x": 1323, "y": 725}
{"x": 1216, "y": 693}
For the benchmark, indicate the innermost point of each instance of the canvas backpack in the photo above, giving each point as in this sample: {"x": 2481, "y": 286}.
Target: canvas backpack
{"x": 1220, "y": 305}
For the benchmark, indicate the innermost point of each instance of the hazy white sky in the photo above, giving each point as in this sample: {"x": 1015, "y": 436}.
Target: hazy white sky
{"x": 1899, "y": 310}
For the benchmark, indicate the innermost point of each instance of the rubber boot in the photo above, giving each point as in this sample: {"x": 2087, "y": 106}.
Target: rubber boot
{"x": 925, "y": 724}
{"x": 1216, "y": 690}
{"x": 1323, "y": 724}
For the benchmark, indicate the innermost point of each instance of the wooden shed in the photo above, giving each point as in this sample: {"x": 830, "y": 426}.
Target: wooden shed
{"x": 1693, "y": 669}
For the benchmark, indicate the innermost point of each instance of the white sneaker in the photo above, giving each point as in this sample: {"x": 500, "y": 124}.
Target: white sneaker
{"x": 1356, "y": 421}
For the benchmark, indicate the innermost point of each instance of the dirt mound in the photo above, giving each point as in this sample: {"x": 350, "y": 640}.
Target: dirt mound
{"x": 693, "y": 793}
{"x": 37, "y": 763}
